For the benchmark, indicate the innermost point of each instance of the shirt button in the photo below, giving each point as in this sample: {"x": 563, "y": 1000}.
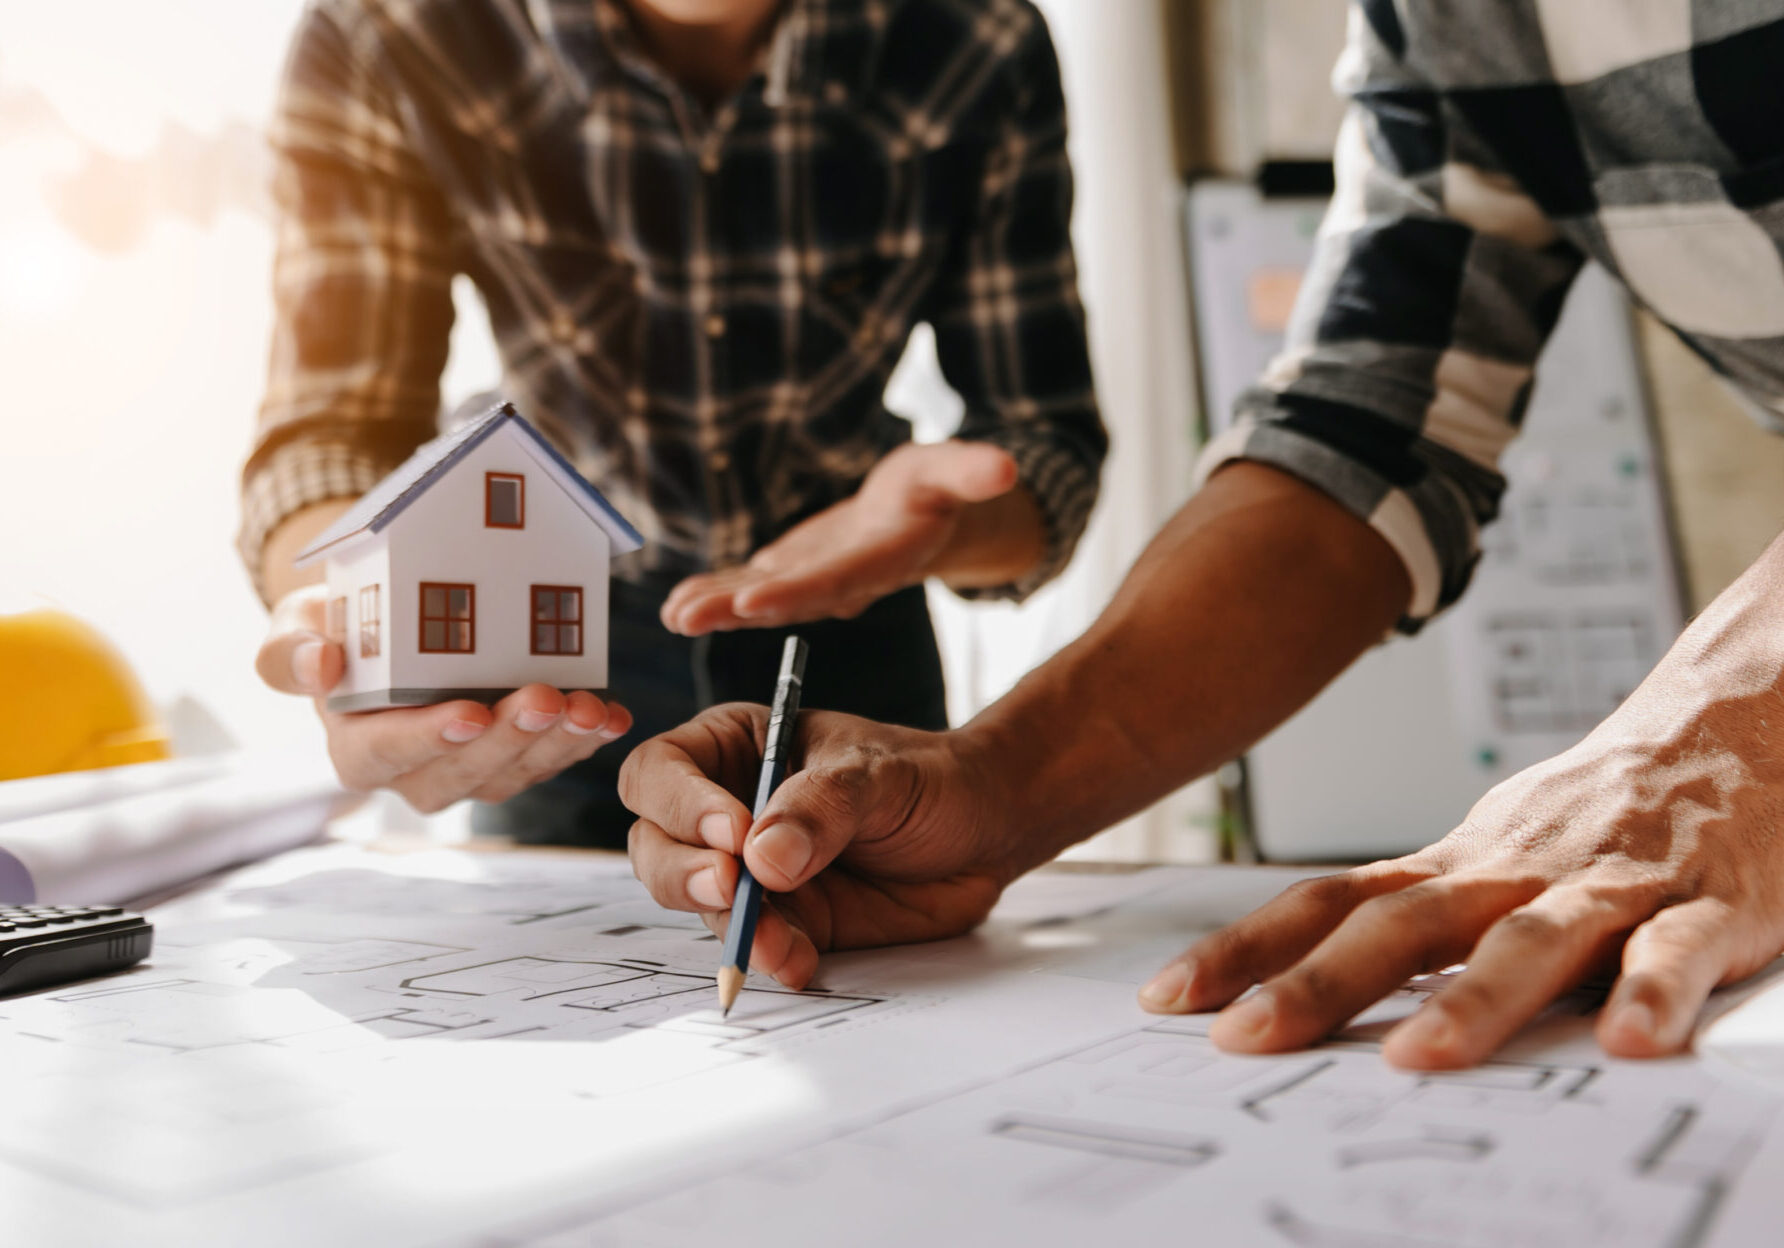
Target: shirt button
{"x": 715, "y": 326}
{"x": 719, "y": 461}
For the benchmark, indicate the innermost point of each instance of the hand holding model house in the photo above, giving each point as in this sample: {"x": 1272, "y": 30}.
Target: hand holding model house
{"x": 466, "y": 599}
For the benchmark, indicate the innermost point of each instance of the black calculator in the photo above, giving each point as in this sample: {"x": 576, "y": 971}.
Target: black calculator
{"x": 43, "y": 945}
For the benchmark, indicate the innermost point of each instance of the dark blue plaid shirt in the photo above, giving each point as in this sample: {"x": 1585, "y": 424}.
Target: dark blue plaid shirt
{"x": 701, "y": 309}
{"x": 1493, "y": 147}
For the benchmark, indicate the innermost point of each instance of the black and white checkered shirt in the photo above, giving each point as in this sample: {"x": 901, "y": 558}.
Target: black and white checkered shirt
{"x": 701, "y": 310}
{"x": 1493, "y": 146}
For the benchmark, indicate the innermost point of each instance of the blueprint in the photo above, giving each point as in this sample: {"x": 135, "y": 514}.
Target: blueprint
{"x": 472, "y": 1050}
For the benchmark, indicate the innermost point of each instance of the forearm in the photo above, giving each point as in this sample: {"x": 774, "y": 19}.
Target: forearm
{"x": 995, "y": 543}
{"x": 294, "y": 533}
{"x": 1256, "y": 594}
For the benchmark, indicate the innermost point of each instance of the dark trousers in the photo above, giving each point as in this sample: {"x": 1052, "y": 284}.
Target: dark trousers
{"x": 882, "y": 665}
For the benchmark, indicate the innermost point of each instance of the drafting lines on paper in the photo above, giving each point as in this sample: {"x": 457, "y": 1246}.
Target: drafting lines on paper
{"x": 638, "y": 993}
{"x": 1156, "y": 1129}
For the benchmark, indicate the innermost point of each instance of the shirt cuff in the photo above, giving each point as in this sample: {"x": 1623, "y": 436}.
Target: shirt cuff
{"x": 1065, "y": 489}
{"x": 293, "y": 477}
{"x": 1403, "y": 520}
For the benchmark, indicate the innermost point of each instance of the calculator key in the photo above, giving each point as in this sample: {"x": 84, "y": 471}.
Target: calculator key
{"x": 31, "y": 922}
{"x": 105, "y": 912}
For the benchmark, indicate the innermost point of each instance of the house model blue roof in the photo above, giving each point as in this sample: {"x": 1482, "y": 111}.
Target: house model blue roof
{"x": 384, "y": 502}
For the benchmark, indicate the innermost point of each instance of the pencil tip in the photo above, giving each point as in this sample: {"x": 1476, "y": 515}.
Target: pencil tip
{"x": 730, "y": 984}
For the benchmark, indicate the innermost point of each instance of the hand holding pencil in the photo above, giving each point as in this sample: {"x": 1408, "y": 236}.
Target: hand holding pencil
{"x": 782, "y": 725}
{"x": 883, "y": 835}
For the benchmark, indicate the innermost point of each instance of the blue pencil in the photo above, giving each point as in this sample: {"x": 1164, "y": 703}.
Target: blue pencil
{"x": 775, "y": 752}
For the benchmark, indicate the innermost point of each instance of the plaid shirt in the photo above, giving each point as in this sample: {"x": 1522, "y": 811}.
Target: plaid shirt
{"x": 1491, "y": 149}
{"x": 701, "y": 310}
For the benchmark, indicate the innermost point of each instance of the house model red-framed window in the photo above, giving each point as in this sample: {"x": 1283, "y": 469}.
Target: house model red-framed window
{"x": 335, "y": 627}
{"x": 557, "y": 619}
{"x": 371, "y": 623}
{"x": 448, "y": 618}
{"x": 504, "y": 500}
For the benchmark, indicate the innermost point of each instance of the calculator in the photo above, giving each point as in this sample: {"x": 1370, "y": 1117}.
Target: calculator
{"x": 43, "y": 945}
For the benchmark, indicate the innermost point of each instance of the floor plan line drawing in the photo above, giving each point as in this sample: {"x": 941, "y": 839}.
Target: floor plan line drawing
{"x": 1109, "y": 1141}
{"x": 1676, "y": 1210}
{"x": 377, "y": 1051}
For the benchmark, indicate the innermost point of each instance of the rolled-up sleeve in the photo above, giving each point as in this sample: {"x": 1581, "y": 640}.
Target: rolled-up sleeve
{"x": 1009, "y": 327}
{"x": 1435, "y": 283}
{"x": 362, "y": 289}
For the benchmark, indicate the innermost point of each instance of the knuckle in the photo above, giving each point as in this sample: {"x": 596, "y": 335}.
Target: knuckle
{"x": 1531, "y": 926}
{"x": 1323, "y": 891}
{"x": 1627, "y": 895}
{"x": 632, "y": 771}
{"x": 1469, "y": 998}
{"x": 1307, "y": 987}
{"x": 1649, "y": 987}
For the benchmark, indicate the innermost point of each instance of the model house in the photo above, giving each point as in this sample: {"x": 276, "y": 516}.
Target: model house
{"x": 479, "y": 566}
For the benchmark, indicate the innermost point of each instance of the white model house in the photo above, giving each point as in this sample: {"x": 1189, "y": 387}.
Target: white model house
{"x": 479, "y": 566}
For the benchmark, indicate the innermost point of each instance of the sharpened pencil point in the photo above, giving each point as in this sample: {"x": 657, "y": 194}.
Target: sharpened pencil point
{"x": 730, "y": 984}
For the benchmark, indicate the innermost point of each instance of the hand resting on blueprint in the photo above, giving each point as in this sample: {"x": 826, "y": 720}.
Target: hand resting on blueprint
{"x": 1650, "y": 854}
{"x": 952, "y": 510}
{"x": 878, "y": 838}
{"x": 433, "y": 755}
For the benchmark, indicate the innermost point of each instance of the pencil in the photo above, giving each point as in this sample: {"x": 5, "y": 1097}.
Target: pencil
{"x": 735, "y": 964}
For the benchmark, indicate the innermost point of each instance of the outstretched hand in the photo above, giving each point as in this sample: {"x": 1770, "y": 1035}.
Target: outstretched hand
{"x": 895, "y": 531}
{"x": 1652, "y": 855}
{"x": 876, "y": 839}
{"x": 432, "y": 755}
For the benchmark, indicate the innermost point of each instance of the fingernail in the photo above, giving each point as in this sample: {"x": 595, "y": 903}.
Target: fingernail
{"x": 1168, "y": 988}
{"x": 534, "y": 721}
{"x": 786, "y": 849}
{"x": 704, "y": 889}
{"x": 716, "y": 831}
{"x": 577, "y": 730}
{"x": 1636, "y": 1017}
{"x": 460, "y": 731}
{"x": 1250, "y": 1018}
{"x": 306, "y": 665}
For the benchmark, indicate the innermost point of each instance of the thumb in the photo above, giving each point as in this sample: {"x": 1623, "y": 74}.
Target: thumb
{"x": 300, "y": 661}
{"x": 964, "y": 472}
{"x": 813, "y": 817}
{"x": 296, "y": 657}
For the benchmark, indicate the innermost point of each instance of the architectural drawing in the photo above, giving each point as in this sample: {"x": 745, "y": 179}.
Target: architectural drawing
{"x": 471, "y": 1051}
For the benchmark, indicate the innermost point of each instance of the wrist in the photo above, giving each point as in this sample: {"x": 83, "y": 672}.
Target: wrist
{"x": 1026, "y": 774}
{"x": 994, "y": 800}
{"x": 993, "y": 543}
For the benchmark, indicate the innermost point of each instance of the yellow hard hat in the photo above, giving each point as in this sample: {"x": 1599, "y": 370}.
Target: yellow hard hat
{"x": 68, "y": 700}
